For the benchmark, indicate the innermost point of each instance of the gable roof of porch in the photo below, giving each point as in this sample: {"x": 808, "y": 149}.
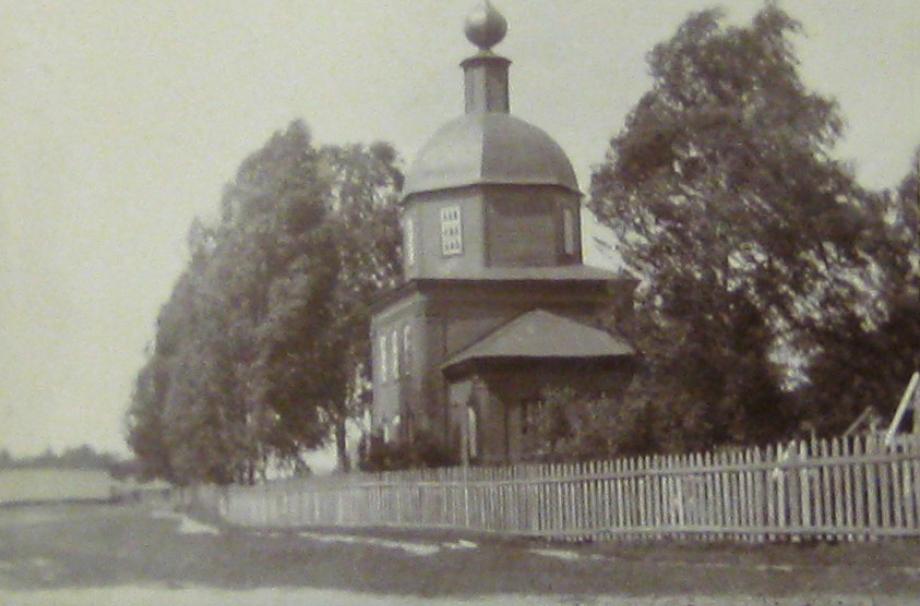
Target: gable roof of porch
{"x": 540, "y": 334}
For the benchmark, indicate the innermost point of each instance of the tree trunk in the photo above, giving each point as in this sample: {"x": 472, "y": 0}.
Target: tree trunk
{"x": 341, "y": 447}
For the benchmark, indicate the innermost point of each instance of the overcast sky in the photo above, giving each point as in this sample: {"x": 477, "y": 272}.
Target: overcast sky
{"x": 121, "y": 121}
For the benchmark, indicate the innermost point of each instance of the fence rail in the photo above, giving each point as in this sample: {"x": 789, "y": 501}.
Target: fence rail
{"x": 844, "y": 489}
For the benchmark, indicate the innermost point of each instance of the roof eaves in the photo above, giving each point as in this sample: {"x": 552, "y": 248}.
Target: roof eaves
{"x": 496, "y": 335}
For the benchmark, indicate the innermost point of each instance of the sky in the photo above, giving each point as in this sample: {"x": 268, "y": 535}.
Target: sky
{"x": 121, "y": 121}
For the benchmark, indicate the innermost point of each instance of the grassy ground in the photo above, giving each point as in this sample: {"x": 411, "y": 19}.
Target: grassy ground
{"x": 79, "y": 548}
{"x": 17, "y": 485}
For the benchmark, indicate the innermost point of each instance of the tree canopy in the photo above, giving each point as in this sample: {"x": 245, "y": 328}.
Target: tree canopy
{"x": 750, "y": 238}
{"x": 858, "y": 361}
{"x": 79, "y": 457}
{"x": 261, "y": 351}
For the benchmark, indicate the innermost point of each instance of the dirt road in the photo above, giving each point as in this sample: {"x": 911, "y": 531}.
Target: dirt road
{"x": 136, "y": 555}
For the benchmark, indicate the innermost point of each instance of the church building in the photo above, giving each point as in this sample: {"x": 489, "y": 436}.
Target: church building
{"x": 497, "y": 304}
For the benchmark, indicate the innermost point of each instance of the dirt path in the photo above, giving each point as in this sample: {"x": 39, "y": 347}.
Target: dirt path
{"x": 146, "y": 596}
{"x": 132, "y": 555}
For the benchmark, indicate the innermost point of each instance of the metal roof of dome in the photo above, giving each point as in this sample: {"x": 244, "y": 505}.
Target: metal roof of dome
{"x": 489, "y": 148}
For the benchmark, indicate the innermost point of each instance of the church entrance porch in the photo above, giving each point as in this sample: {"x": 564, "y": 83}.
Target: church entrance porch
{"x": 496, "y": 410}
{"x": 496, "y": 386}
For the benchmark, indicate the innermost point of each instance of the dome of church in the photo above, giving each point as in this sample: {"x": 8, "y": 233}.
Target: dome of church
{"x": 489, "y": 148}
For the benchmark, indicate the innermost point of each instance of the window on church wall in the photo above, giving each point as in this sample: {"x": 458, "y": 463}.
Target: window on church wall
{"x": 394, "y": 343}
{"x": 382, "y": 354}
{"x": 409, "y": 241}
{"x": 391, "y": 429}
{"x": 472, "y": 431}
{"x": 569, "y": 232}
{"x": 409, "y": 427}
{"x": 451, "y": 231}
{"x": 407, "y": 348}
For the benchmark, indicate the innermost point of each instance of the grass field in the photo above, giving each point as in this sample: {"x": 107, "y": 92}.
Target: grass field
{"x": 31, "y": 485}
{"x": 107, "y": 554}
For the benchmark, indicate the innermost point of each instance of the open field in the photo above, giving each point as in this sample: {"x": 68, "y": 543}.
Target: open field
{"x": 31, "y": 485}
{"x": 137, "y": 555}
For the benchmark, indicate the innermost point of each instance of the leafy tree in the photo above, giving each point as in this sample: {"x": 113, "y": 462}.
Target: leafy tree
{"x": 272, "y": 218}
{"x": 261, "y": 350}
{"x": 314, "y": 342}
{"x": 859, "y": 361}
{"x": 145, "y": 424}
{"x": 727, "y": 203}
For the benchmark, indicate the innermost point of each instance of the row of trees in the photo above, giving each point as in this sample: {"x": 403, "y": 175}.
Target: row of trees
{"x": 777, "y": 295}
{"x": 80, "y": 457}
{"x": 261, "y": 352}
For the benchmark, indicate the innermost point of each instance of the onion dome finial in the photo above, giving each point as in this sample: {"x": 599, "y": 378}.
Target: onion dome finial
{"x": 485, "y": 27}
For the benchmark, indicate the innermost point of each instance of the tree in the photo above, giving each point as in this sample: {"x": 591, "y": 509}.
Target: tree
{"x": 195, "y": 414}
{"x": 261, "y": 350}
{"x": 857, "y": 361}
{"x": 145, "y": 424}
{"x": 80, "y": 457}
{"x": 271, "y": 229}
{"x": 315, "y": 341}
{"x": 727, "y": 203}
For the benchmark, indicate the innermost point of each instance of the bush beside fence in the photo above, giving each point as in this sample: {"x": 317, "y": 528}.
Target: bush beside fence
{"x": 841, "y": 489}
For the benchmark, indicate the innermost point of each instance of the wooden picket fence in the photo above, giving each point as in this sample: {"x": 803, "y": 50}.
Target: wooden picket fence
{"x": 843, "y": 489}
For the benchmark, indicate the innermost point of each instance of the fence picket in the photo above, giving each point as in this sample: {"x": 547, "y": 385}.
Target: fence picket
{"x": 606, "y": 497}
{"x": 725, "y": 486}
{"x": 837, "y": 493}
{"x": 724, "y": 496}
{"x": 741, "y": 494}
{"x": 821, "y": 487}
{"x": 626, "y": 496}
{"x": 597, "y": 509}
{"x": 758, "y": 497}
{"x": 670, "y": 497}
{"x": 849, "y": 505}
{"x": 860, "y": 519}
{"x": 571, "y": 521}
{"x": 897, "y": 491}
{"x": 856, "y": 488}
{"x": 709, "y": 506}
{"x": 747, "y": 458}
{"x": 872, "y": 487}
{"x": 701, "y": 485}
{"x": 565, "y": 501}
{"x": 884, "y": 489}
{"x": 648, "y": 494}
{"x": 770, "y": 491}
{"x": 687, "y": 485}
{"x": 910, "y": 485}
{"x": 620, "y": 496}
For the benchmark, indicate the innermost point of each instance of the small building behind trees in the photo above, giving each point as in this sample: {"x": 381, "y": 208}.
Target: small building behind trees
{"x": 497, "y": 304}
